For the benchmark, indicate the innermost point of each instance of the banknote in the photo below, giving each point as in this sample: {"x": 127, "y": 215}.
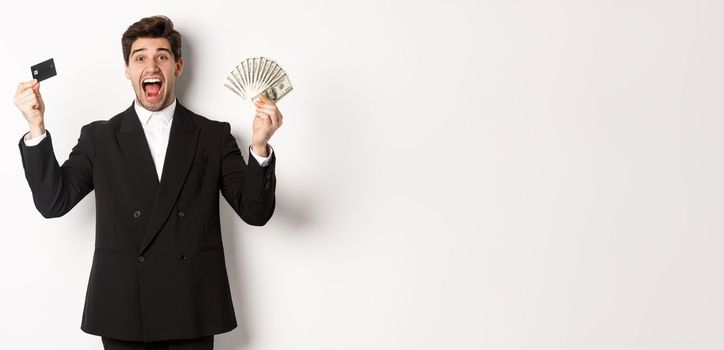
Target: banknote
{"x": 256, "y": 76}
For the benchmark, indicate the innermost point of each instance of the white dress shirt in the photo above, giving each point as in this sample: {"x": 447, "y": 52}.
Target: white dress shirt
{"x": 157, "y": 127}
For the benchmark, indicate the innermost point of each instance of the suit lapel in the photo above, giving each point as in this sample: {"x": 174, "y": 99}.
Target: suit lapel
{"x": 137, "y": 154}
{"x": 179, "y": 157}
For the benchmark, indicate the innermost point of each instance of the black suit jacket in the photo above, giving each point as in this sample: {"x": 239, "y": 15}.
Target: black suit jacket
{"x": 158, "y": 268}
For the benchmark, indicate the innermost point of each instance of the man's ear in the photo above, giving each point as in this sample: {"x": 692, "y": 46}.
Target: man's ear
{"x": 125, "y": 69}
{"x": 179, "y": 66}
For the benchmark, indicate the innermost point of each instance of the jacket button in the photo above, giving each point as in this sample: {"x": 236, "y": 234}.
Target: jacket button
{"x": 141, "y": 259}
{"x": 136, "y": 214}
{"x": 181, "y": 214}
{"x": 182, "y": 257}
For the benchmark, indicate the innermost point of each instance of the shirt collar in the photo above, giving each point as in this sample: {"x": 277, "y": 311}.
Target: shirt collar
{"x": 145, "y": 115}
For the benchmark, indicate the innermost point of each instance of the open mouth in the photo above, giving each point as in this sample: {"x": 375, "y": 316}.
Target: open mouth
{"x": 152, "y": 88}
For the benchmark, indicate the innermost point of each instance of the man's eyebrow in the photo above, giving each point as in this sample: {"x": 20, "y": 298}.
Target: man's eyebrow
{"x": 144, "y": 49}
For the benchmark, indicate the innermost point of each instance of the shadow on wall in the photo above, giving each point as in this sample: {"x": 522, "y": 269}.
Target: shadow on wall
{"x": 181, "y": 89}
{"x": 293, "y": 212}
{"x": 287, "y": 213}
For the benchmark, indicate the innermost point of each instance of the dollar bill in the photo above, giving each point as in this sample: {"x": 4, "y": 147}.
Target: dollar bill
{"x": 258, "y": 76}
{"x": 279, "y": 89}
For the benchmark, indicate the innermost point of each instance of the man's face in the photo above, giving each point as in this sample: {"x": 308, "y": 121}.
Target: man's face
{"x": 152, "y": 69}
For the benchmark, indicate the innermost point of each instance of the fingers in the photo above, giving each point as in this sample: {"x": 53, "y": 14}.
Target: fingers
{"x": 267, "y": 118}
{"x": 266, "y": 106}
{"x": 264, "y": 101}
{"x": 266, "y": 110}
{"x": 36, "y": 89}
{"x": 28, "y": 92}
{"x": 26, "y": 85}
{"x": 272, "y": 117}
{"x": 27, "y": 100}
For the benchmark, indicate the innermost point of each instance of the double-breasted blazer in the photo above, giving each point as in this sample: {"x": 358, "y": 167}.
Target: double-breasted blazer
{"x": 158, "y": 269}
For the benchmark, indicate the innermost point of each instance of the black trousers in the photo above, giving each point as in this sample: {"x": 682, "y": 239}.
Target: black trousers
{"x": 205, "y": 343}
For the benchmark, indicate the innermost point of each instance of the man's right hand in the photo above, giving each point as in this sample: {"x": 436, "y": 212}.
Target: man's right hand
{"x": 30, "y": 103}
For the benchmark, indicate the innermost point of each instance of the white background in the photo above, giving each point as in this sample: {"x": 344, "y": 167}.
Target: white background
{"x": 451, "y": 174}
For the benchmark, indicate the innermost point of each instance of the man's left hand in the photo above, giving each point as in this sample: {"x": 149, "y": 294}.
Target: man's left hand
{"x": 267, "y": 120}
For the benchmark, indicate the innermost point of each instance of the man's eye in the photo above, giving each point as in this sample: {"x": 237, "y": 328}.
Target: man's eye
{"x": 163, "y": 58}
{"x": 139, "y": 59}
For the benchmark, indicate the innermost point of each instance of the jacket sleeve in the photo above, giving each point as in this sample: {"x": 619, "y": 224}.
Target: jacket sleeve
{"x": 249, "y": 189}
{"x": 57, "y": 189}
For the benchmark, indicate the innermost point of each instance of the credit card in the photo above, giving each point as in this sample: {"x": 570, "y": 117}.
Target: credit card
{"x": 44, "y": 70}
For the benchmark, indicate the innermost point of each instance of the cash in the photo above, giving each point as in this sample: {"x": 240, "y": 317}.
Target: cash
{"x": 256, "y": 76}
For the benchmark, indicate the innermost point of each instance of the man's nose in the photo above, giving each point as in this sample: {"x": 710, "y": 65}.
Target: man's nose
{"x": 152, "y": 66}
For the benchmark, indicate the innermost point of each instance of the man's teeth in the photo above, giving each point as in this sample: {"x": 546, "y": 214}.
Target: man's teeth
{"x": 151, "y": 81}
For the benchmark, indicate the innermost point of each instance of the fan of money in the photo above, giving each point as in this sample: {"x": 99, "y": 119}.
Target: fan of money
{"x": 256, "y": 76}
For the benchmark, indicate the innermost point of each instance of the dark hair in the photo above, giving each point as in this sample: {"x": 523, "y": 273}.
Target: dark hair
{"x": 152, "y": 27}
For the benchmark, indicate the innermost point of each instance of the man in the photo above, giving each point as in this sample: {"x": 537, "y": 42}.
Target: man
{"x": 158, "y": 278}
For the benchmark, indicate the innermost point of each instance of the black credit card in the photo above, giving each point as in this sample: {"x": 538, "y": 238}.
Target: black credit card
{"x": 43, "y": 70}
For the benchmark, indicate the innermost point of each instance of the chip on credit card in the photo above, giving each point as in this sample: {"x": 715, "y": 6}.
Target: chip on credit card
{"x": 44, "y": 70}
